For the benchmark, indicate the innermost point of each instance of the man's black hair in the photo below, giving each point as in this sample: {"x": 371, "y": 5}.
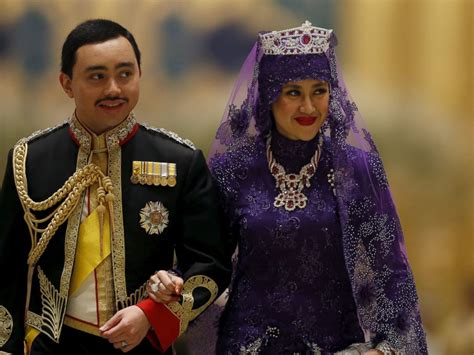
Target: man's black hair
{"x": 90, "y": 32}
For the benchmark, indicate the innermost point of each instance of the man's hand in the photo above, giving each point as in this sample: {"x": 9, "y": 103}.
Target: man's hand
{"x": 164, "y": 287}
{"x": 373, "y": 352}
{"x": 126, "y": 329}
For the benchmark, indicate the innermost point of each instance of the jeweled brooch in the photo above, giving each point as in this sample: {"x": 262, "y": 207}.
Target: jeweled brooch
{"x": 154, "y": 217}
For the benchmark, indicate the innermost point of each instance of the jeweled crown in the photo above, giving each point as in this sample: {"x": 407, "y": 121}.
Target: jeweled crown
{"x": 305, "y": 39}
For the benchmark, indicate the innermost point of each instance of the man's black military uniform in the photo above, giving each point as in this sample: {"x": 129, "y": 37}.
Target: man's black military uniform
{"x": 162, "y": 205}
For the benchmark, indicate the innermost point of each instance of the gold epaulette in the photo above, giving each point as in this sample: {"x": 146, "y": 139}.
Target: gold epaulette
{"x": 172, "y": 135}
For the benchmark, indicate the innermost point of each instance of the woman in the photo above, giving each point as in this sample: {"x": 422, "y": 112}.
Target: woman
{"x": 321, "y": 267}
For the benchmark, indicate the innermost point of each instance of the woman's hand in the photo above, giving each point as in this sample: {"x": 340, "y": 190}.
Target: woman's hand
{"x": 164, "y": 287}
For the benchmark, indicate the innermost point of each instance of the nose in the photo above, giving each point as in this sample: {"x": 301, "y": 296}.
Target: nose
{"x": 307, "y": 106}
{"x": 113, "y": 88}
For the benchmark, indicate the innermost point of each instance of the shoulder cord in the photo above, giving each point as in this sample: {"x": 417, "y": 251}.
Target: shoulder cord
{"x": 70, "y": 192}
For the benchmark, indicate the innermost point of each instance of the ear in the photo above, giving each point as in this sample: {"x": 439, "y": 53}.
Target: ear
{"x": 66, "y": 82}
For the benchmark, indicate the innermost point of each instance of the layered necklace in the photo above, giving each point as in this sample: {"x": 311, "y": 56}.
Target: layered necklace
{"x": 291, "y": 185}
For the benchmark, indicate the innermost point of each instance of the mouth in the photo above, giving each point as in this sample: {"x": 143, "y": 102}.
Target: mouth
{"x": 305, "y": 120}
{"x": 111, "y": 105}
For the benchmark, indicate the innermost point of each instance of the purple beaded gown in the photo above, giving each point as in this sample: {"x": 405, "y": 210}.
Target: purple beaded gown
{"x": 332, "y": 274}
{"x": 291, "y": 292}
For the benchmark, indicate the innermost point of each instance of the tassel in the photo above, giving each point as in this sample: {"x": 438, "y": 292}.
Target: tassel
{"x": 110, "y": 198}
{"x": 101, "y": 211}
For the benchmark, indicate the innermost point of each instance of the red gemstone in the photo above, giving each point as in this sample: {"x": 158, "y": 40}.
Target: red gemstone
{"x": 305, "y": 39}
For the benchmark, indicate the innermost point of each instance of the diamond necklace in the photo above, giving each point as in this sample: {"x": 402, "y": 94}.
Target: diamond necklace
{"x": 291, "y": 185}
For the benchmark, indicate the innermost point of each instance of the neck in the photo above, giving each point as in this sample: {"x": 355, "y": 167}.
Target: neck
{"x": 292, "y": 154}
{"x": 97, "y": 130}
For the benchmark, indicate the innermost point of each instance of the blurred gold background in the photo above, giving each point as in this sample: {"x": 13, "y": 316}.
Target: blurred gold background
{"x": 409, "y": 66}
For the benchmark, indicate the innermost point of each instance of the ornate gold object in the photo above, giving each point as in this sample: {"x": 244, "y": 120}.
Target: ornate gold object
{"x": 70, "y": 194}
{"x": 184, "y": 310}
{"x": 6, "y": 325}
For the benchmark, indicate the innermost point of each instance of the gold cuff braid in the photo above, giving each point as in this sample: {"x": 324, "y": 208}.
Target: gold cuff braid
{"x": 70, "y": 192}
{"x": 6, "y": 325}
{"x": 184, "y": 310}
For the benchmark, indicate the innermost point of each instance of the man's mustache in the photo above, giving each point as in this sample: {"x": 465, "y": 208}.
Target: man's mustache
{"x": 111, "y": 98}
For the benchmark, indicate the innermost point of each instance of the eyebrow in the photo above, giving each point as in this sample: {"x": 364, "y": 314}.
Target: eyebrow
{"x": 103, "y": 67}
{"x": 295, "y": 86}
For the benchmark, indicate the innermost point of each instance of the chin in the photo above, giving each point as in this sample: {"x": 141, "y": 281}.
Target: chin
{"x": 307, "y": 136}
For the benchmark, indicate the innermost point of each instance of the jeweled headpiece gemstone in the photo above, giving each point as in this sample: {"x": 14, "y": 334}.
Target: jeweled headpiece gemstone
{"x": 305, "y": 39}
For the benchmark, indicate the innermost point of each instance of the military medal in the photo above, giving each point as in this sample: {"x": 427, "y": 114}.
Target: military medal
{"x": 164, "y": 174}
{"x": 171, "y": 181}
{"x": 154, "y": 217}
{"x": 172, "y": 175}
{"x": 135, "y": 173}
{"x": 163, "y": 181}
{"x": 153, "y": 173}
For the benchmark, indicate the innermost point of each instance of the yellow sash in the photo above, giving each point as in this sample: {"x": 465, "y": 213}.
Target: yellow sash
{"x": 30, "y": 335}
{"x": 88, "y": 251}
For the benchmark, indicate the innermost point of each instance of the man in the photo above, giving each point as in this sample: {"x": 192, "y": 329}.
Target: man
{"x": 94, "y": 206}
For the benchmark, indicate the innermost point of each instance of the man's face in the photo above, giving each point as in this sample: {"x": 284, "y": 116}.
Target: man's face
{"x": 104, "y": 84}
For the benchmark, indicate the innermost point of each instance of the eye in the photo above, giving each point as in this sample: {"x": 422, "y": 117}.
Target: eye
{"x": 292, "y": 92}
{"x": 320, "y": 91}
{"x": 125, "y": 74}
{"x": 97, "y": 76}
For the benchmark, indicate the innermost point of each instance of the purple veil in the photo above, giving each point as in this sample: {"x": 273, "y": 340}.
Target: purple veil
{"x": 375, "y": 257}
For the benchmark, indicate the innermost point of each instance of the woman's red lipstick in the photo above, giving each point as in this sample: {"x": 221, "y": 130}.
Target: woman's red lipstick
{"x": 305, "y": 120}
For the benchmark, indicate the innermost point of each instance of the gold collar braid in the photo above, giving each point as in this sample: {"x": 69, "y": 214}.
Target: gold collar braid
{"x": 70, "y": 194}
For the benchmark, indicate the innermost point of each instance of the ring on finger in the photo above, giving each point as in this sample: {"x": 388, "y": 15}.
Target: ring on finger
{"x": 155, "y": 286}
{"x": 123, "y": 344}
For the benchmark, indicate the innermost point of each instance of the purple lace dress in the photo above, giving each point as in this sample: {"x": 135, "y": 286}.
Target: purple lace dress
{"x": 291, "y": 292}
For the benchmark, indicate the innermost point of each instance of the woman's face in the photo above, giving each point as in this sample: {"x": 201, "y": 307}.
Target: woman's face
{"x": 301, "y": 109}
